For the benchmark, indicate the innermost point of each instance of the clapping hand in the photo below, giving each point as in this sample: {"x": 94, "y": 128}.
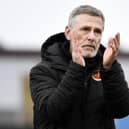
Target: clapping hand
{"x": 111, "y": 51}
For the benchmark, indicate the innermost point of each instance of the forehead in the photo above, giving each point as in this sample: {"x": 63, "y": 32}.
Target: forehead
{"x": 87, "y": 20}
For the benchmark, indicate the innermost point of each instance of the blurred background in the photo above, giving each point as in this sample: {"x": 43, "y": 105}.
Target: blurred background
{"x": 24, "y": 26}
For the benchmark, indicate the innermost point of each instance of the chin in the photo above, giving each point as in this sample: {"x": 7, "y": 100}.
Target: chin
{"x": 90, "y": 54}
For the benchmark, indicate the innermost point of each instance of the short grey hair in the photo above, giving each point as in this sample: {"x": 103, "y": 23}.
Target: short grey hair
{"x": 85, "y": 9}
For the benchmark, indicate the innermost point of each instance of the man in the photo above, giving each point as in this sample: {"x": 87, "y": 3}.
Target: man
{"x": 79, "y": 84}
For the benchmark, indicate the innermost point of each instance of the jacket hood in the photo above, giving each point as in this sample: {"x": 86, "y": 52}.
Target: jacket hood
{"x": 57, "y": 46}
{"x": 56, "y": 49}
{"x": 54, "y": 39}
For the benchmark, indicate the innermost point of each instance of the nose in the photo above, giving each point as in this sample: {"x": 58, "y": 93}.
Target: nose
{"x": 91, "y": 36}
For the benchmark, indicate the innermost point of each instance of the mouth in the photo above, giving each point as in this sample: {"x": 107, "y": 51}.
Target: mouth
{"x": 88, "y": 46}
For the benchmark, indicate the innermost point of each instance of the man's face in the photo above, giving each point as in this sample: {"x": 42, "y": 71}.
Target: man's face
{"x": 87, "y": 31}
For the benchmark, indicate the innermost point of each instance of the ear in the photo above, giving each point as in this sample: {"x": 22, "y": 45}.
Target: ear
{"x": 67, "y": 32}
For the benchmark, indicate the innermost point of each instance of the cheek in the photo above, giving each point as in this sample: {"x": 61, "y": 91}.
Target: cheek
{"x": 98, "y": 40}
{"x": 77, "y": 35}
{"x": 97, "y": 45}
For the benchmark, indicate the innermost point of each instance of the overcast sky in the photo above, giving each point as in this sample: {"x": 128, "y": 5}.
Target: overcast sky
{"x": 25, "y": 24}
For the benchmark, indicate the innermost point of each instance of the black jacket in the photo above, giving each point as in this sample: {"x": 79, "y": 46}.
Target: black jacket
{"x": 69, "y": 96}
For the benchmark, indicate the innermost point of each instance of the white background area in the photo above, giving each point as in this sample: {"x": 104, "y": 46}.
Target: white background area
{"x": 25, "y": 24}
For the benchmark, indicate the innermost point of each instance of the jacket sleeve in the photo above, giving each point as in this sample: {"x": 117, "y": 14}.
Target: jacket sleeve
{"x": 116, "y": 92}
{"x": 52, "y": 98}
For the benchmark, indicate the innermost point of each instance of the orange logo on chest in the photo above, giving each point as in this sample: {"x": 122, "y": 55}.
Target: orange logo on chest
{"x": 96, "y": 75}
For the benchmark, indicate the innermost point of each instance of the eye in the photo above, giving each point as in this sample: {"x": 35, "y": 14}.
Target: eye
{"x": 86, "y": 29}
{"x": 98, "y": 31}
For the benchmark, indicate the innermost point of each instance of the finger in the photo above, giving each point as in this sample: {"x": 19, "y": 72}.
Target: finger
{"x": 110, "y": 42}
{"x": 111, "y": 45}
{"x": 116, "y": 42}
{"x": 115, "y": 45}
{"x": 75, "y": 46}
{"x": 117, "y": 36}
